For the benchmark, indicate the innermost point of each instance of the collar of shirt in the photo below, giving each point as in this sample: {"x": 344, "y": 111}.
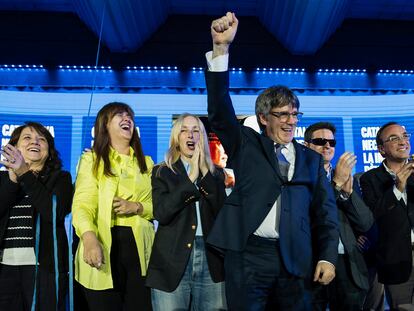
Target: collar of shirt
{"x": 290, "y": 154}
{"x": 288, "y": 151}
{"x": 398, "y": 194}
{"x": 116, "y": 156}
{"x": 329, "y": 172}
{"x": 390, "y": 171}
{"x": 186, "y": 165}
{"x": 290, "y": 147}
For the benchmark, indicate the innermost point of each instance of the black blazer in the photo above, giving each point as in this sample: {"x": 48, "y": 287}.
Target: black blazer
{"x": 40, "y": 190}
{"x": 393, "y": 250}
{"x": 354, "y": 218}
{"x": 174, "y": 197}
{"x": 311, "y": 202}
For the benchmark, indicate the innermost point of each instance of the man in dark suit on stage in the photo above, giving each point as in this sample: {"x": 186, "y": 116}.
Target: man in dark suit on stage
{"x": 280, "y": 221}
{"x": 347, "y": 291}
{"x": 389, "y": 191}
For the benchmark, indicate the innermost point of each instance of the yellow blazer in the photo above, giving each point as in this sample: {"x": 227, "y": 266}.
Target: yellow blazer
{"x": 92, "y": 211}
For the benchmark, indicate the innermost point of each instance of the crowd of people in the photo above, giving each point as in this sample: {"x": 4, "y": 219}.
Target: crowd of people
{"x": 290, "y": 230}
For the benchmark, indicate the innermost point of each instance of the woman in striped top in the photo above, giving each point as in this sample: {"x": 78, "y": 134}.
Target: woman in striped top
{"x": 31, "y": 225}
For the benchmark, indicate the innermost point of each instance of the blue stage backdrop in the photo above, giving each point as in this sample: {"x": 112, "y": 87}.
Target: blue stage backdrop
{"x": 357, "y": 118}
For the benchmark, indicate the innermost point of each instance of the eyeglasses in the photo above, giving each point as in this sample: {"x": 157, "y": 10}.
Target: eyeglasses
{"x": 283, "y": 116}
{"x": 396, "y": 139}
{"x": 323, "y": 141}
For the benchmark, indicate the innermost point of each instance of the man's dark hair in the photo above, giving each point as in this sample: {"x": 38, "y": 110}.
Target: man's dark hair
{"x": 318, "y": 126}
{"x": 274, "y": 96}
{"x": 381, "y": 130}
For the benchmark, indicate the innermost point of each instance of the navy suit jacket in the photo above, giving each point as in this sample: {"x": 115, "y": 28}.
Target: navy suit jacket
{"x": 309, "y": 215}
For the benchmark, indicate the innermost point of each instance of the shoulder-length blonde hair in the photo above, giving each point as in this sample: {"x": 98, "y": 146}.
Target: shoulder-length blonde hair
{"x": 173, "y": 154}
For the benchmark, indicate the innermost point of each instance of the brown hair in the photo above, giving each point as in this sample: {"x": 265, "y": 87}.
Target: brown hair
{"x": 101, "y": 145}
{"x": 53, "y": 161}
{"x": 274, "y": 96}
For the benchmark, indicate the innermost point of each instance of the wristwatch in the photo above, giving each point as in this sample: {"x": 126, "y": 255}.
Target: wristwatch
{"x": 343, "y": 196}
{"x": 337, "y": 188}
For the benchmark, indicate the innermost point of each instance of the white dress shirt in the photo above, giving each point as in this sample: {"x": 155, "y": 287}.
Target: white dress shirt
{"x": 269, "y": 228}
{"x": 199, "y": 231}
{"x": 398, "y": 194}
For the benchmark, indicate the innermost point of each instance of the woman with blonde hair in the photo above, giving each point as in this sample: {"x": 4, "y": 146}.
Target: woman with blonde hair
{"x": 188, "y": 192}
{"x": 112, "y": 213}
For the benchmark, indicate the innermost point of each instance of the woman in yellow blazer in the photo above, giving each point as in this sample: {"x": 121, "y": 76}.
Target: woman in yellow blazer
{"x": 112, "y": 213}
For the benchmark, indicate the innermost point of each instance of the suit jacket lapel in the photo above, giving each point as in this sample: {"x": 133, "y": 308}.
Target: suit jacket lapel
{"x": 385, "y": 178}
{"x": 383, "y": 175}
{"x": 269, "y": 150}
{"x": 299, "y": 160}
{"x": 179, "y": 167}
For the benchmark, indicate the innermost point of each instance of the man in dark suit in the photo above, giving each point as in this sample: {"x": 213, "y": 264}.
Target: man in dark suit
{"x": 389, "y": 192}
{"x": 282, "y": 201}
{"x": 347, "y": 291}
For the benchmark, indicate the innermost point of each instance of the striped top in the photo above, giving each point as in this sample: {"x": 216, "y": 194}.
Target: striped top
{"x": 19, "y": 229}
{"x": 18, "y": 243}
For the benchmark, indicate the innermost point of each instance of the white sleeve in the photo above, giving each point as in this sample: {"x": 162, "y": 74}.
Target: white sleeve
{"x": 217, "y": 64}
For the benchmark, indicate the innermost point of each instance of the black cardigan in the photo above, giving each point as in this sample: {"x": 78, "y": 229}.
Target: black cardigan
{"x": 40, "y": 190}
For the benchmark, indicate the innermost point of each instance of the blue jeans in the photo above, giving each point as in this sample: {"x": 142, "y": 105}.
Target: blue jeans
{"x": 196, "y": 290}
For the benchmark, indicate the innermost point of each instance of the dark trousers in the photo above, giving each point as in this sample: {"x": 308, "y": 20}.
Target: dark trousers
{"x": 374, "y": 300}
{"x": 256, "y": 279}
{"x": 342, "y": 294}
{"x": 17, "y": 284}
{"x": 129, "y": 292}
{"x": 401, "y": 296}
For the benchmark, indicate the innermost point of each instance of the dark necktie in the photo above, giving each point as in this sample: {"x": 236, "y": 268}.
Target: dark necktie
{"x": 284, "y": 170}
{"x": 283, "y": 162}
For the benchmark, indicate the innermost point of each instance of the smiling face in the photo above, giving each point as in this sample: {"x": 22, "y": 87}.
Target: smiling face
{"x": 189, "y": 136}
{"x": 280, "y": 131}
{"x": 395, "y": 151}
{"x": 327, "y": 151}
{"x": 120, "y": 127}
{"x": 34, "y": 148}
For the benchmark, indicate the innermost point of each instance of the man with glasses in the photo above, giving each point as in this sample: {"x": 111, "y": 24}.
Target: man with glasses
{"x": 347, "y": 291}
{"x": 389, "y": 192}
{"x": 281, "y": 202}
